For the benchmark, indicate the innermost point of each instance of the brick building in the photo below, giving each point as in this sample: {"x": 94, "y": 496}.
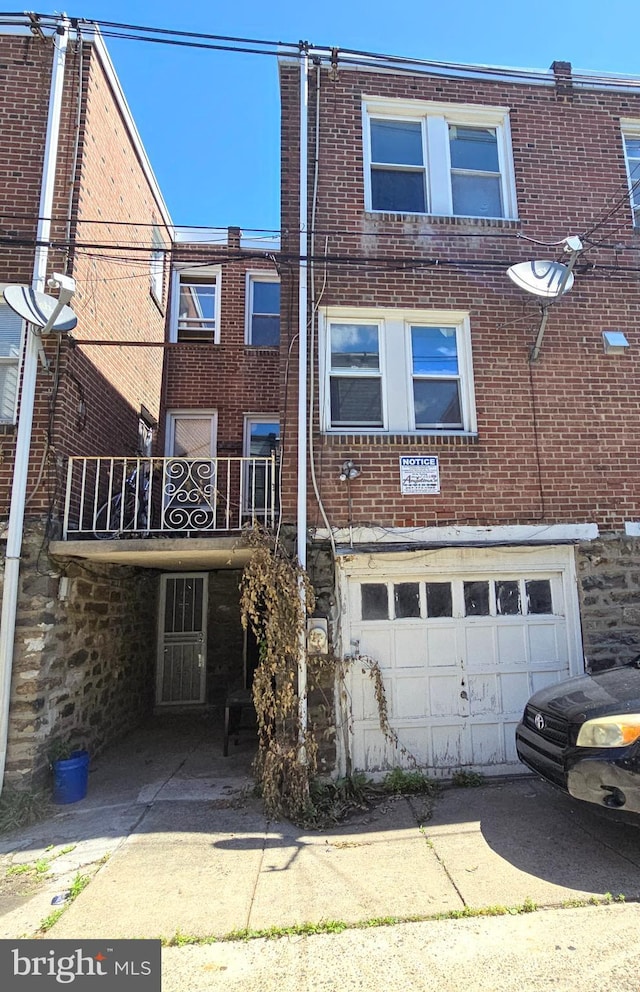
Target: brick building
{"x": 173, "y": 362}
{"x": 473, "y": 516}
{"x": 474, "y": 442}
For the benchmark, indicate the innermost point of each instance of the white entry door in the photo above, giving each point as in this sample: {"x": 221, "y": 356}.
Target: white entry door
{"x": 182, "y": 641}
{"x": 462, "y": 641}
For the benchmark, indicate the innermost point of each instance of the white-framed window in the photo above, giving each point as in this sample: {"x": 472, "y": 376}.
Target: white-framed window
{"x": 396, "y": 371}
{"x": 11, "y": 343}
{"x": 263, "y": 310}
{"x": 195, "y": 310}
{"x": 261, "y": 442}
{"x": 156, "y": 266}
{"x": 631, "y": 139}
{"x": 191, "y": 434}
{"x": 451, "y": 160}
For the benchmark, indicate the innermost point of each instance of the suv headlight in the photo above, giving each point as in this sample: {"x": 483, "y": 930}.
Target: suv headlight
{"x": 610, "y": 731}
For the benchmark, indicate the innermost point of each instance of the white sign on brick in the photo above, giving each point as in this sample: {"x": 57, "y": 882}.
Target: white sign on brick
{"x": 419, "y": 475}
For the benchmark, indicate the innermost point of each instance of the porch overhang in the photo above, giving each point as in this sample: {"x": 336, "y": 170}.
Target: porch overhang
{"x": 196, "y": 554}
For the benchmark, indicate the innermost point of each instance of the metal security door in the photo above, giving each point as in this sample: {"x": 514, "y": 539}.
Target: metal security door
{"x": 182, "y": 642}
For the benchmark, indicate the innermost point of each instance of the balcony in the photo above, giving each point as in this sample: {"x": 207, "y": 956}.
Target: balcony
{"x": 130, "y": 498}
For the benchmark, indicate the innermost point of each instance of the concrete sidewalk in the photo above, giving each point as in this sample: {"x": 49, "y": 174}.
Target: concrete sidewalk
{"x": 176, "y": 844}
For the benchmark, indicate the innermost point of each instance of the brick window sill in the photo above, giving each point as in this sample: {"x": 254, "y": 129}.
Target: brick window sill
{"x": 400, "y": 440}
{"x": 438, "y": 219}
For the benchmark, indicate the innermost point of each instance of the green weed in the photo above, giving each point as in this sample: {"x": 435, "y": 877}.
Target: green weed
{"x": 463, "y": 779}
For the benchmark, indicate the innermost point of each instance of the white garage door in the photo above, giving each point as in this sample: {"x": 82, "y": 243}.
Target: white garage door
{"x": 463, "y": 639}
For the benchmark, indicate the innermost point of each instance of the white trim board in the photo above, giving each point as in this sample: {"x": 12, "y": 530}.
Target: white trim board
{"x": 516, "y": 534}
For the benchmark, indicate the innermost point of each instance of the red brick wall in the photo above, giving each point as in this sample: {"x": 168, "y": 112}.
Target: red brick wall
{"x": 90, "y": 403}
{"x": 230, "y": 377}
{"x": 557, "y": 439}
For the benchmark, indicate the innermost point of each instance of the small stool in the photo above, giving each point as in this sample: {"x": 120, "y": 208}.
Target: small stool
{"x": 235, "y": 703}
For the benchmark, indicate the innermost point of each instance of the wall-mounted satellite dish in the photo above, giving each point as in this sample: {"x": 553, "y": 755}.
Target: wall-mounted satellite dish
{"x": 542, "y": 278}
{"x": 37, "y": 308}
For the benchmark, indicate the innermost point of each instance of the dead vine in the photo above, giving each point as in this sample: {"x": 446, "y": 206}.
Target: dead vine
{"x": 272, "y": 591}
{"x": 371, "y": 667}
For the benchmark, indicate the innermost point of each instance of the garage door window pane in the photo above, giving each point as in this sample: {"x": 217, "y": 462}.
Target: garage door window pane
{"x": 539, "y": 596}
{"x": 476, "y": 599}
{"x": 439, "y": 603}
{"x": 407, "y": 599}
{"x": 375, "y": 601}
{"x": 507, "y": 598}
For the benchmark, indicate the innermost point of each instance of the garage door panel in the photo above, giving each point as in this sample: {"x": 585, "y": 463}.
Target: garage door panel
{"x": 444, "y": 696}
{"x": 448, "y": 743}
{"x": 515, "y": 690}
{"x": 510, "y": 753}
{"x": 544, "y": 643}
{"x": 410, "y": 647}
{"x": 512, "y": 644}
{"x": 540, "y": 680}
{"x": 363, "y": 697}
{"x": 372, "y": 750}
{"x": 484, "y": 696}
{"x": 410, "y": 697}
{"x": 487, "y": 744}
{"x": 480, "y": 648}
{"x": 442, "y": 646}
{"x": 377, "y": 643}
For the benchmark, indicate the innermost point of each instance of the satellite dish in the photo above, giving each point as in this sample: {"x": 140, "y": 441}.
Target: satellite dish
{"x": 542, "y": 278}
{"x": 37, "y": 308}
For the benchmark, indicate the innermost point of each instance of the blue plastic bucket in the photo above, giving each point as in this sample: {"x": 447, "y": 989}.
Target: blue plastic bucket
{"x": 71, "y": 778}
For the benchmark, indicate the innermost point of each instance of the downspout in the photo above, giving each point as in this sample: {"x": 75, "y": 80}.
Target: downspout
{"x": 27, "y": 395}
{"x": 302, "y": 388}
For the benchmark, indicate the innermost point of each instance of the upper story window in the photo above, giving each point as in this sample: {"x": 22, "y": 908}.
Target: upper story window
{"x": 263, "y": 310}
{"x": 11, "y": 329}
{"x": 196, "y": 306}
{"x": 393, "y": 371}
{"x": 452, "y": 160}
{"x": 156, "y": 265}
{"x": 631, "y": 137}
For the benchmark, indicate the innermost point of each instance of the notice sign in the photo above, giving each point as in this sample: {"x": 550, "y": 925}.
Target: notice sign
{"x": 419, "y": 475}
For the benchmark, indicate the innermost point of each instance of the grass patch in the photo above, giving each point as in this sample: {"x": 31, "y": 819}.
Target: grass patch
{"x": 467, "y": 780}
{"x": 400, "y": 782}
{"x": 21, "y": 807}
{"x": 79, "y": 883}
{"x": 338, "y": 926}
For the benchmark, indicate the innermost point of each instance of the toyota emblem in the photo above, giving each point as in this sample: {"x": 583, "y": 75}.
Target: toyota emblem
{"x": 539, "y": 721}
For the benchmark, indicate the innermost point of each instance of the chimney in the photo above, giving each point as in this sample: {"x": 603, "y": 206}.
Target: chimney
{"x": 562, "y": 72}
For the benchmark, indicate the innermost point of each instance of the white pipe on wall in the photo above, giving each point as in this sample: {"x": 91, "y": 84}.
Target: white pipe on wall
{"x": 27, "y": 395}
{"x": 302, "y": 380}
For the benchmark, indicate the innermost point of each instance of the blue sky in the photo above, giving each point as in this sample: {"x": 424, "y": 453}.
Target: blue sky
{"x": 210, "y": 120}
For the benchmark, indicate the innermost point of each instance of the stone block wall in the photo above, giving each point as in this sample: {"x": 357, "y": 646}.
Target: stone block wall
{"x": 609, "y": 588}
{"x": 85, "y": 656}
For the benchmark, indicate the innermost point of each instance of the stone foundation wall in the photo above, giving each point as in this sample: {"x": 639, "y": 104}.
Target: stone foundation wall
{"x": 609, "y": 587}
{"x": 85, "y": 656}
{"x": 322, "y": 709}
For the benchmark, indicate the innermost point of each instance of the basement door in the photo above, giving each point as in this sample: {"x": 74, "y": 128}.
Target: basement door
{"x": 182, "y": 639}
{"x": 462, "y": 637}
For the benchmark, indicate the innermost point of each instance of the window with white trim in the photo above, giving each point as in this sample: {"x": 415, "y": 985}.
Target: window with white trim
{"x": 11, "y": 334}
{"x": 450, "y": 160}
{"x": 631, "y": 139}
{"x": 263, "y": 310}
{"x": 196, "y": 306}
{"x": 394, "y": 371}
{"x": 261, "y": 443}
